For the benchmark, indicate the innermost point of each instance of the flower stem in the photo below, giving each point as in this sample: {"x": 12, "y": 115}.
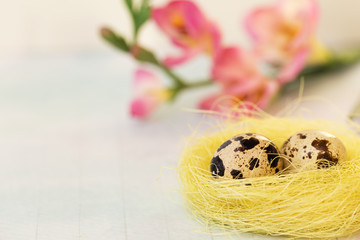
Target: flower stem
{"x": 179, "y": 82}
{"x": 144, "y": 55}
{"x": 200, "y": 83}
{"x": 337, "y": 61}
{"x": 178, "y": 89}
{"x": 139, "y": 16}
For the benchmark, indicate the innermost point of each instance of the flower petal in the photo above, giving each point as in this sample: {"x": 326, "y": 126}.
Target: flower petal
{"x": 220, "y": 102}
{"x": 148, "y": 94}
{"x": 187, "y": 28}
{"x": 270, "y": 89}
{"x": 306, "y": 13}
{"x": 144, "y": 81}
{"x": 143, "y": 76}
{"x": 290, "y": 71}
{"x": 262, "y": 23}
{"x": 215, "y": 38}
{"x": 186, "y": 55}
{"x": 141, "y": 107}
{"x": 283, "y": 33}
{"x": 233, "y": 64}
{"x": 194, "y": 19}
{"x": 244, "y": 87}
{"x": 208, "y": 103}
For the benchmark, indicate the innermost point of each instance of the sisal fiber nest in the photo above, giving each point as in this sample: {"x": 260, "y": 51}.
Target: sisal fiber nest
{"x": 321, "y": 203}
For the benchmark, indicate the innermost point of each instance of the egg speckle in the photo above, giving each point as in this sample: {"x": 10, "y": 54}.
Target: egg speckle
{"x": 246, "y": 155}
{"x": 312, "y": 149}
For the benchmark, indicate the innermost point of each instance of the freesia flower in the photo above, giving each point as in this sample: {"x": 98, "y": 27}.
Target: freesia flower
{"x": 188, "y": 29}
{"x": 149, "y": 94}
{"x": 284, "y": 34}
{"x": 238, "y": 73}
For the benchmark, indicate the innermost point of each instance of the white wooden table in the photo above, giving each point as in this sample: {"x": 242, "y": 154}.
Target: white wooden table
{"x": 73, "y": 165}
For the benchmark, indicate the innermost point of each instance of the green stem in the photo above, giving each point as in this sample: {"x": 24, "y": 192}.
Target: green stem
{"x": 178, "y": 89}
{"x": 139, "y": 16}
{"x": 337, "y": 62}
{"x": 202, "y": 83}
{"x": 146, "y": 56}
{"x": 130, "y": 7}
{"x": 135, "y": 36}
{"x": 180, "y": 83}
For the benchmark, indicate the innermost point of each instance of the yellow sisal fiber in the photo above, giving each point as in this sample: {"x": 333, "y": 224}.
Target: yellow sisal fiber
{"x": 322, "y": 203}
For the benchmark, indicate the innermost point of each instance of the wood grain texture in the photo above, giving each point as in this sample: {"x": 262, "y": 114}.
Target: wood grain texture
{"x": 74, "y": 166}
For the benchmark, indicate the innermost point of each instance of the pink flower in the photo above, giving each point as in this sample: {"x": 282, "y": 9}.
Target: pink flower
{"x": 149, "y": 94}
{"x": 283, "y": 34}
{"x": 238, "y": 73}
{"x": 188, "y": 29}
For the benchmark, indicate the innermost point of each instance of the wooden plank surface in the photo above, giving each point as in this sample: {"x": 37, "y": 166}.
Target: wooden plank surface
{"x": 74, "y": 166}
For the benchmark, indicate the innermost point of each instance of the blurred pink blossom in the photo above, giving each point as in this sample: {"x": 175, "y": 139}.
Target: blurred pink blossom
{"x": 283, "y": 34}
{"x": 188, "y": 29}
{"x": 149, "y": 94}
{"x": 238, "y": 73}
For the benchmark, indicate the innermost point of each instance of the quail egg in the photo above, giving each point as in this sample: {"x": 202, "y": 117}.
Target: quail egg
{"x": 312, "y": 149}
{"x": 246, "y": 155}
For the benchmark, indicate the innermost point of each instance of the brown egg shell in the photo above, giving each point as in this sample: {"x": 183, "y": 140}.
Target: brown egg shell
{"x": 246, "y": 155}
{"x": 312, "y": 149}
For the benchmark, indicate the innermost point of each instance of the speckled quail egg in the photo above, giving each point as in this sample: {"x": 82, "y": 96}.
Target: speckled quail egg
{"x": 312, "y": 149}
{"x": 246, "y": 155}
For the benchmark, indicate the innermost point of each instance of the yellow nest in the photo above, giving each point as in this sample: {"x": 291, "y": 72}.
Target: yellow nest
{"x": 322, "y": 203}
